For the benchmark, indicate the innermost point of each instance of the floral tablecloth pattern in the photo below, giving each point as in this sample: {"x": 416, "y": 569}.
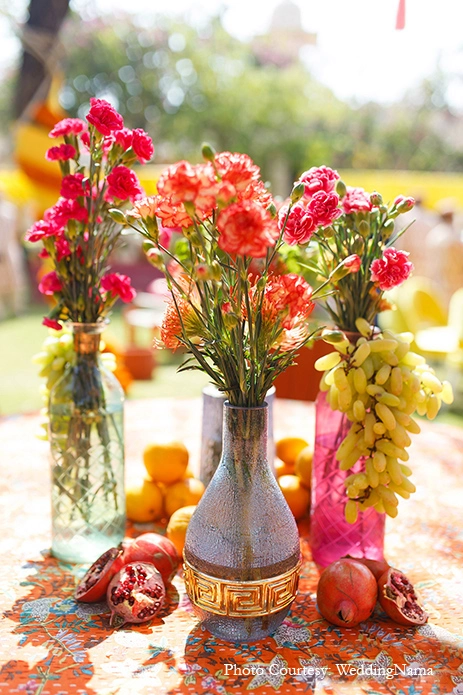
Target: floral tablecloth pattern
{"x": 51, "y": 645}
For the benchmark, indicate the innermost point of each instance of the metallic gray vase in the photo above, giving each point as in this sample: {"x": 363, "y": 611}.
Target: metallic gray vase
{"x": 242, "y": 555}
{"x": 211, "y": 431}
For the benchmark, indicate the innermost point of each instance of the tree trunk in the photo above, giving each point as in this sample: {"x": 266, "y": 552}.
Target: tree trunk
{"x": 45, "y": 19}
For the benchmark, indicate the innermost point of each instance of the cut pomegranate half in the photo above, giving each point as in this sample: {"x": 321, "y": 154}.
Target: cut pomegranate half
{"x": 92, "y": 587}
{"x": 399, "y": 600}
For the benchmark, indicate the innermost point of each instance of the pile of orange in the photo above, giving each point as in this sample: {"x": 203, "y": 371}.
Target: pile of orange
{"x": 167, "y": 487}
{"x": 294, "y": 469}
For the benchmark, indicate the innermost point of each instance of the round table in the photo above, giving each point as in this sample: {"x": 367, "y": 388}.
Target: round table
{"x": 52, "y": 645}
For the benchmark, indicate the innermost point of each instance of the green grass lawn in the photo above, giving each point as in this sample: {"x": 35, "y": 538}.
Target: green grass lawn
{"x": 22, "y": 337}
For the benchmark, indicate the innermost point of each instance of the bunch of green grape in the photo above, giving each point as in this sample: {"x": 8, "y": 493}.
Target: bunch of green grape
{"x": 379, "y": 383}
{"x": 56, "y": 354}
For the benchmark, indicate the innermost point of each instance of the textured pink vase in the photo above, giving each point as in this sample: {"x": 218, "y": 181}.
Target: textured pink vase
{"x": 331, "y": 536}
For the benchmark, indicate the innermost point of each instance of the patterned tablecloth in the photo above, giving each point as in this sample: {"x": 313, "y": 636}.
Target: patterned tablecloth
{"x": 52, "y": 645}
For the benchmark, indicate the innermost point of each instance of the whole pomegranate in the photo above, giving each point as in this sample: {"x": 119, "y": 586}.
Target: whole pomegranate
{"x": 399, "y": 600}
{"x": 346, "y": 593}
{"x": 377, "y": 567}
{"x": 136, "y": 593}
{"x": 92, "y": 587}
{"x": 156, "y": 549}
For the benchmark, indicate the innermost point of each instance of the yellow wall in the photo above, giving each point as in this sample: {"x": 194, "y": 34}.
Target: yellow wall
{"x": 432, "y": 186}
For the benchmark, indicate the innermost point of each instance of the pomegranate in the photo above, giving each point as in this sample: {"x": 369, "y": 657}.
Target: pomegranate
{"x": 377, "y": 567}
{"x": 156, "y": 549}
{"x": 346, "y": 593}
{"x": 136, "y": 593}
{"x": 399, "y": 600}
{"x": 92, "y": 587}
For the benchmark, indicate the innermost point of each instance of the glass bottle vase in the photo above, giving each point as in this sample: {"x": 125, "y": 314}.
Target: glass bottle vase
{"x": 331, "y": 536}
{"x": 87, "y": 454}
{"x": 242, "y": 555}
{"x": 212, "y": 430}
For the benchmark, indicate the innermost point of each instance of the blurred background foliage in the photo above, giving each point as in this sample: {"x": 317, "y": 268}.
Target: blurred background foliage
{"x": 186, "y": 85}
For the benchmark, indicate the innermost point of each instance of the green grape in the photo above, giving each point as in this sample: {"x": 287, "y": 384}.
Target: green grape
{"x": 327, "y": 361}
{"x": 372, "y": 473}
{"x": 379, "y": 428}
{"x": 369, "y": 432}
{"x": 390, "y": 509}
{"x": 363, "y": 327}
{"x": 396, "y": 383}
{"x": 360, "y": 380}
{"x": 383, "y": 374}
{"x": 360, "y": 355}
{"x": 379, "y": 461}
{"x": 406, "y": 470}
{"x": 359, "y": 410}
{"x": 340, "y": 379}
{"x": 398, "y": 489}
{"x": 383, "y": 345}
{"x": 393, "y": 468}
{"x": 432, "y": 407}
{"x": 375, "y": 390}
{"x": 384, "y": 414}
{"x": 447, "y": 393}
{"x": 368, "y": 368}
{"x": 387, "y": 495}
{"x": 351, "y": 511}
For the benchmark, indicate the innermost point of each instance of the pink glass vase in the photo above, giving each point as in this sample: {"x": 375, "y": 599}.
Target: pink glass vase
{"x": 331, "y": 536}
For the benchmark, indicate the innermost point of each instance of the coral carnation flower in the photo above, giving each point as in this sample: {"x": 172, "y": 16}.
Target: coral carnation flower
{"x": 246, "y": 229}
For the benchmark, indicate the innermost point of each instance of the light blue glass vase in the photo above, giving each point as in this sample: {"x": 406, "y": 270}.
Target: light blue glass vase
{"x": 87, "y": 454}
{"x": 242, "y": 554}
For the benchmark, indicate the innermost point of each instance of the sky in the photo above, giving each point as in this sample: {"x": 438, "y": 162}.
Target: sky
{"x": 359, "y": 54}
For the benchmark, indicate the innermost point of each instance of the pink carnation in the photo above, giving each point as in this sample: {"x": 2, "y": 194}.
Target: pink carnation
{"x": 72, "y": 186}
{"x": 246, "y": 229}
{"x": 324, "y": 208}
{"x": 356, "y": 200}
{"x": 50, "y": 283}
{"x": 142, "y": 145}
{"x": 123, "y": 137}
{"x": 119, "y": 286}
{"x": 41, "y": 230}
{"x": 63, "y": 250}
{"x": 51, "y": 323}
{"x": 319, "y": 179}
{"x": 300, "y": 224}
{"x": 392, "y": 269}
{"x": 123, "y": 183}
{"x": 60, "y": 153}
{"x": 68, "y": 126}
{"x": 353, "y": 263}
{"x": 104, "y": 117}
{"x": 65, "y": 210}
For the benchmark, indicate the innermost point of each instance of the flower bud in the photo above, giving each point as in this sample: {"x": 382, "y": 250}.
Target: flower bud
{"x": 117, "y": 215}
{"x": 154, "y": 257}
{"x": 297, "y": 192}
{"x": 353, "y": 263}
{"x": 376, "y": 198}
{"x": 387, "y": 229}
{"x": 202, "y": 272}
{"x": 327, "y": 232}
{"x": 208, "y": 152}
{"x": 339, "y": 273}
{"x": 271, "y": 209}
{"x": 404, "y": 204}
{"x": 147, "y": 245}
{"x": 216, "y": 271}
{"x": 358, "y": 246}
{"x": 364, "y": 228}
{"x": 341, "y": 189}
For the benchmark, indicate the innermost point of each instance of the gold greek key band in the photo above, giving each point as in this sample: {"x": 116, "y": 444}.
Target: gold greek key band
{"x": 237, "y": 599}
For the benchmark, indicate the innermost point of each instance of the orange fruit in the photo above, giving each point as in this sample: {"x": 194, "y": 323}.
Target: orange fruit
{"x": 166, "y": 462}
{"x": 289, "y": 448}
{"x": 183, "y": 494}
{"x": 177, "y": 526}
{"x": 303, "y": 467}
{"x": 189, "y": 473}
{"x": 296, "y": 495}
{"x": 144, "y": 501}
{"x": 283, "y": 468}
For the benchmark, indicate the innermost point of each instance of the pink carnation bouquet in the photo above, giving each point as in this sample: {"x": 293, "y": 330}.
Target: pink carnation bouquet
{"x": 355, "y": 234}
{"x": 77, "y": 234}
{"x": 231, "y": 309}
